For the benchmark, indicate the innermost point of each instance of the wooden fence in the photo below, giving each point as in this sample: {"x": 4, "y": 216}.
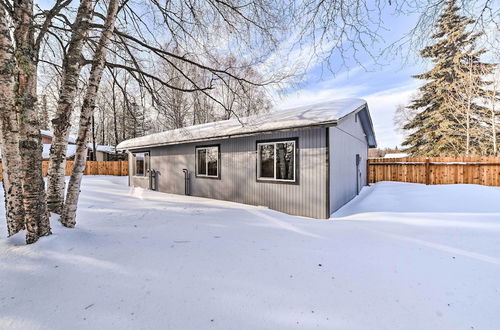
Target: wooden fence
{"x": 436, "y": 170}
{"x": 119, "y": 168}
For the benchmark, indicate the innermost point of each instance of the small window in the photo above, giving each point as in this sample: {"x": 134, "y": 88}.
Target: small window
{"x": 207, "y": 162}
{"x": 141, "y": 163}
{"x": 276, "y": 161}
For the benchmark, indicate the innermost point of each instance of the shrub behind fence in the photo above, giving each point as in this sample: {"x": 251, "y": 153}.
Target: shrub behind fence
{"x": 436, "y": 170}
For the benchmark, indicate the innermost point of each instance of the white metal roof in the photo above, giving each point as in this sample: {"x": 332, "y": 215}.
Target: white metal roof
{"x": 70, "y": 151}
{"x": 326, "y": 113}
{"x": 102, "y": 148}
{"x": 50, "y": 134}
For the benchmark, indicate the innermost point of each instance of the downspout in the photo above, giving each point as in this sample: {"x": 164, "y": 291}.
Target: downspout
{"x": 186, "y": 181}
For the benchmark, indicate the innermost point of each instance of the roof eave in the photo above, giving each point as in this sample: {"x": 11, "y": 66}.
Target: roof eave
{"x": 231, "y": 136}
{"x": 366, "y": 122}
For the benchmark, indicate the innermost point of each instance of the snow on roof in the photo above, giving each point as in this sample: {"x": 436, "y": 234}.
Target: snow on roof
{"x": 50, "y": 134}
{"x": 106, "y": 149}
{"x": 310, "y": 115}
{"x": 396, "y": 155}
{"x": 69, "y": 152}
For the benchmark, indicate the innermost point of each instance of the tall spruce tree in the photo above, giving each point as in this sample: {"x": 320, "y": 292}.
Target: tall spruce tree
{"x": 450, "y": 120}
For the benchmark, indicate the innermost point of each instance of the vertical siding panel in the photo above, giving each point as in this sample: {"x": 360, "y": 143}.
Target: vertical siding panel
{"x": 320, "y": 174}
{"x": 309, "y": 159}
{"x": 238, "y": 173}
{"x": 306, "y": 193}
{"x": 312, "y": 188}
{"x": 317, "y": 167}
{"x": 343, "y": 148}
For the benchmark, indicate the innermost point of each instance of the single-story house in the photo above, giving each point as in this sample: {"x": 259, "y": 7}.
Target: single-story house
{"x": 103, "y": 153}
{"x": 306, "y": 161}
{"x": 48, "y": 135}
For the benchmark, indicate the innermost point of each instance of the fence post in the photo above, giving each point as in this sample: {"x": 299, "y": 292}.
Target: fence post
{"x": 427, "y": 171}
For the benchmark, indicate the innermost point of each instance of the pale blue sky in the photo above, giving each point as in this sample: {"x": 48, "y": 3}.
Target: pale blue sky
{"x": 384, "y": 86}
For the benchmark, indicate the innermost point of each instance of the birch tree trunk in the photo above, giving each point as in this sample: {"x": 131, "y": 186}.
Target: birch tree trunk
{"x": 68, "y": 216}
{"x": 467, "y": 128}
{"x": 30, "y": 144}
{"x": 94, "y": 145}
{"x": 115, "y": 115}
{"x": 44, "y": 114}
{"x": 9, "y": 128}
{"x": 494, "y": 132}
{"x": 67, "y": 95}
{"x": 494, "y": 100}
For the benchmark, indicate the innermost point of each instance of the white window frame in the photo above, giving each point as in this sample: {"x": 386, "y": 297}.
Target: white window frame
{"x": 274, "y": 143}
{"x": 146, "y": 170}
{"x": 206, "y": 161}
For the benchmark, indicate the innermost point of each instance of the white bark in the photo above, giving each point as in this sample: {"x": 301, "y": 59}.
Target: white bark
{"x": 9, "y": 137}
{"x": 68, "y": 216}
{"x": 494, "y": 100}
{"x": 67, "y": 95}
{"x": 35, "y": 206}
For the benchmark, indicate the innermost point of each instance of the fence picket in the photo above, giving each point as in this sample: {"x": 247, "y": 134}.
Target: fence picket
{"x": 116, "y": 168}
{"x": 436, "y": 170}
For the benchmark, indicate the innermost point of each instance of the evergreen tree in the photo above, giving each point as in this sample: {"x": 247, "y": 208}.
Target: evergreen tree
{"x": 449, "y": 119}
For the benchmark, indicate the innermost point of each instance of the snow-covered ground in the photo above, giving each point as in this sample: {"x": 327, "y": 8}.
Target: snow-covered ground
{"x": 400, "y": 256}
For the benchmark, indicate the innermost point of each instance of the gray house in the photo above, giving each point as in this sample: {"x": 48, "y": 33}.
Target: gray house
{"x": 306, "y": 161}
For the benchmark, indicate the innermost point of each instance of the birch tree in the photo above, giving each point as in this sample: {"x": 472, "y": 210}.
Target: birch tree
{"x": 493, "y": 102}
{"x": 34, "y": 199}
{"x": 71, "y": 67}
{"x": 68, "y": 216}
{"x": 21, "y": 138}
{"x": 9, "y": 137}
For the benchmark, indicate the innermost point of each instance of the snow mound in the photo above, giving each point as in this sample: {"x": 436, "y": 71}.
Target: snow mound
{"x": 399, "y": 256}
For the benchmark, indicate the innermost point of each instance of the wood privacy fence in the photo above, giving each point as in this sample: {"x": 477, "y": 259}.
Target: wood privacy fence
{"x": 436, "y": 170}
{"x": 119, "y": 168}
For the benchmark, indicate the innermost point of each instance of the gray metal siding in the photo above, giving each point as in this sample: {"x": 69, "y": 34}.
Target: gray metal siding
{"x": 346, "y": 140}
{"x": 238, "y": 173}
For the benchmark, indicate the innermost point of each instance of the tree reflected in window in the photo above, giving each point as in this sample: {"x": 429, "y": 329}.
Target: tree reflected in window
{"x": 276, "y": 161}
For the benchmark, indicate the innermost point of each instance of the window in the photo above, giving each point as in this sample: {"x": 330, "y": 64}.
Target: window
{"x": 276, "y": 161}
{"x": 141, "y": 163}
{"x": 207, "y": 162}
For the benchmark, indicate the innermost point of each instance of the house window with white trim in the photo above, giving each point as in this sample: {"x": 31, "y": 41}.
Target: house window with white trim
{"x": 208, "y": 161}
{"x": 141, "y": 163}
{"x": 276, "y": 161}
